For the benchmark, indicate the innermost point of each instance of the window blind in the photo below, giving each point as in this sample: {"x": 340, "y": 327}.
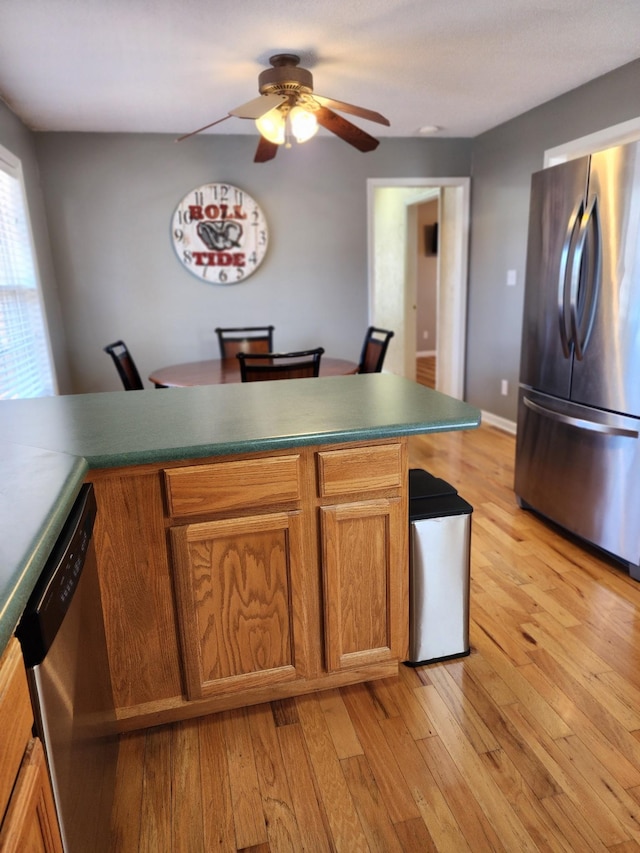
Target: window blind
{"x": 25, "y": 361}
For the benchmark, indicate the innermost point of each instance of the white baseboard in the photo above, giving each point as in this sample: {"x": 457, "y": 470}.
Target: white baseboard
{"x": 425, "y": 353}
{"x": 499, "y": 423}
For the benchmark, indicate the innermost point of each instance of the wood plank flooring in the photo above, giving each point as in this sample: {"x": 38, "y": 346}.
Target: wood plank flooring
{"x": 530, "y": 743}
{"x": 426, "y": 370}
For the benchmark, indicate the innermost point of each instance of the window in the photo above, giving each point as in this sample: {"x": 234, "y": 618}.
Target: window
{"x": 25, "y": 359}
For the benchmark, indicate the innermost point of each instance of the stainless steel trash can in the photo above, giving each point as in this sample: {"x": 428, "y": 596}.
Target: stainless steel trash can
{"x": 439, "y": 565}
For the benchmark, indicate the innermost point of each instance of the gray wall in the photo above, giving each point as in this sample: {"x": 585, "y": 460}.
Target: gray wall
{"x": 503, "y": 161}
{"x": 15, "y": 137}
{"x": 110, "y": 199}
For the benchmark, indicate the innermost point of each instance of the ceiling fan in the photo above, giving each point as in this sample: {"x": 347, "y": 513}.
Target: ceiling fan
{"x": 287, "y": 106}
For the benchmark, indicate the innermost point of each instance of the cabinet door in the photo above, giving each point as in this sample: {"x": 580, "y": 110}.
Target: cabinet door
{"x": 16, "y": 718}
{"x": 30, "y": 822}
{"x": 364, "y": 559}
{"x": 236, "y": 600}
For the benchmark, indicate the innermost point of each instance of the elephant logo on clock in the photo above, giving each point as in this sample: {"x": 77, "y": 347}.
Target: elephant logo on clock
{"x": 220, "y": 235}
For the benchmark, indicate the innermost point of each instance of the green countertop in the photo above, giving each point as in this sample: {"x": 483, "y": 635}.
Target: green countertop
{"x": 47, "y": 444}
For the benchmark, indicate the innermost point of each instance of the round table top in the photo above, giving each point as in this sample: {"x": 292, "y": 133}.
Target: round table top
{"x": 219, "y": 371}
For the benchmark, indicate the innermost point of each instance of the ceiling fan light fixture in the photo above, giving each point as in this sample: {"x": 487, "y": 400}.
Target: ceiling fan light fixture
{"x": 288, "y": 109}
{"x": 272, "y": 126}
{"x": 303, "y": 124}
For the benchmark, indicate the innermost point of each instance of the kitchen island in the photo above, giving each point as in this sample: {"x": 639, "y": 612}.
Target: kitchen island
{"x": 251, "y": 539}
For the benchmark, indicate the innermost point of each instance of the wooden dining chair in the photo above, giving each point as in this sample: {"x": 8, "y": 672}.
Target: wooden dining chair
{"x": 125, "y": 365}
{"x": 245, "y": 339}
{"x": 374, "y": 350}
{"x": 279, "y": 365}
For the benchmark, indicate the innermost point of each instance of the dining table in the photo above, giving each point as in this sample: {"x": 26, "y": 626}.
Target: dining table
{"x": 220, "y": 371}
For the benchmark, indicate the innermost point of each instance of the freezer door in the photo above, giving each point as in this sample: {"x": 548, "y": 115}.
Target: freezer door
{"x": 581, "y": 468}
{"x": 556, "y": 208}
{"x": 607, "y": 374}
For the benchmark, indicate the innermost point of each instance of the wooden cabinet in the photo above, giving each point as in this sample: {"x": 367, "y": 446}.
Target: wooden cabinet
{"x": 236, "y": 580}
{"x": 29, "y": 819}
{"x": 364, "y": 542}
{"x": 241, "y": 575}
{"x": 233, "y": 485}
{"x": 234, "y": 586}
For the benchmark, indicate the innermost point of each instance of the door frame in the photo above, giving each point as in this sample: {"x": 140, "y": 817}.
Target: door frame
{"x": 392, "y": 282}
{"x": 617, "y": 134}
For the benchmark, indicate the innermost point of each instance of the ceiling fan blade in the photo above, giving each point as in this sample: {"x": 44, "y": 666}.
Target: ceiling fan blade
{"x": 252, "y": 109}
{"x": 370, "y": 115}
{"x": 345, "y": 130}
{"x": 258, "y": 106}
{"x": 265, "y": 151}
{"x": 200, "y": 129}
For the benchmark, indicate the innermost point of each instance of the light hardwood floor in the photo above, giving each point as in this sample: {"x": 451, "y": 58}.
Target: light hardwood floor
{"x": 426, "y": 370}
{"x": 530, "y": 743}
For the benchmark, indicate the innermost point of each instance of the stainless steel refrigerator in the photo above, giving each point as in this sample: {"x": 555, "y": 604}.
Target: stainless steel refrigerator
{"x": 578, "y": 447}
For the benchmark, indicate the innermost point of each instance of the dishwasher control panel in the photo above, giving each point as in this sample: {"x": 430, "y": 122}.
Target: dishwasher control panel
{"x": 53, "y": 593}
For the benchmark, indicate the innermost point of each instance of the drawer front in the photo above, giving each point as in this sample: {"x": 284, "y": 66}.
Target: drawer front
{"x": 16, "y": 719}
{"x": 359, "y": 469}
{"x": 248, "y": 483}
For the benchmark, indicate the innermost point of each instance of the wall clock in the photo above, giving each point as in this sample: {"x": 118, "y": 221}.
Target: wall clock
{"x": 219, "y": 233}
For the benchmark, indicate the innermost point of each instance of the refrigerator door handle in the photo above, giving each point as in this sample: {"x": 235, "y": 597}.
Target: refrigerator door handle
{"x": 564, "y": 281}
{"x": 585, "y": 289}
{"x": 581, "y": 423}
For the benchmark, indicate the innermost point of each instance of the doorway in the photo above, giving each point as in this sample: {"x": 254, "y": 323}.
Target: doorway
{"x": 427, "y": 290}
{"x": 393, "y": 246}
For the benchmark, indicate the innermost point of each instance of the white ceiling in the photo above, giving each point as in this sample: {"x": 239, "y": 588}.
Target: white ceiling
{"x": 170, "y": 66}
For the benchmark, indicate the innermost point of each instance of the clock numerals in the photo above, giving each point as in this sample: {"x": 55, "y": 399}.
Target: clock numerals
{"x": 183, "y": 216}
{"x": 220, "y": 192}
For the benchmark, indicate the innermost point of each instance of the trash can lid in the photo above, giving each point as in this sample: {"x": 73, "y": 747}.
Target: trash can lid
{"x": 422, "y": 484}
{"x": 438, "y": 507}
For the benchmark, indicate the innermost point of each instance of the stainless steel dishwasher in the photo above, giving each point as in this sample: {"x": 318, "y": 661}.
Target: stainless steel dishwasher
{"x": 63, "y": 643}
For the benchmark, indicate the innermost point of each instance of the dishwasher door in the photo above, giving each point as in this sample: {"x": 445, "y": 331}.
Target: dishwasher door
{"x": 63, "y": 642}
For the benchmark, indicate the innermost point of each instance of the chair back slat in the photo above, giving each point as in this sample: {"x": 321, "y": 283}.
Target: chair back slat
{"x": 374, "y": 350}
{"x": 256, "y": 367}
{"x": 244, "y": 339}
{"x": 125, "y": 365}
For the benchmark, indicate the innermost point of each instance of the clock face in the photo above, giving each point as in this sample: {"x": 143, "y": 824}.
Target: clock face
{"x": 219, "y": 233}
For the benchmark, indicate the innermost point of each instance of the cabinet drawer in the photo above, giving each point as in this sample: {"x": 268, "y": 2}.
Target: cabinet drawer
{"x": 198, "y": 489}
{"x": 360, "y": 469}
{"x": 16, "y": 719}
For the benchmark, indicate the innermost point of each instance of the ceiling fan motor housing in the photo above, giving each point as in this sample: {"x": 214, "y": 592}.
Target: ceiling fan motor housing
{"x": 285, "y": 77}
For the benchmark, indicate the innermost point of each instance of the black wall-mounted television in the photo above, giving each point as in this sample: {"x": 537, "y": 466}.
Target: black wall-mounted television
{"x": 431, "y": 239}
